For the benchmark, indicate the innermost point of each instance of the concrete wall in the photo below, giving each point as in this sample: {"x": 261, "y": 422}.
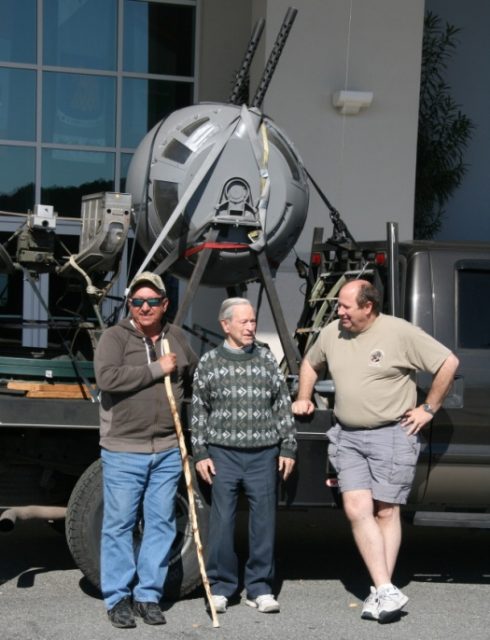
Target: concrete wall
{"x": 468, "y": 211}
{"x": 364, "y": 163}
{"x": 224, "y": 33}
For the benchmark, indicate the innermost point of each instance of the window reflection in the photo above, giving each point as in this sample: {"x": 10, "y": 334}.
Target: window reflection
{"x": 17, "y": 104}
{"x": 146, "y": 102}
{"x": 158, "y": 38}
{"x": 18, "y": 31}
{"x": 125, "y": 162}
{"x": 68, "y": 175}
{"x": 76, "y": 143}
{"x": 79, "y": 109}
{"x": 80, "y": 34}
{"x": 17, "y": 178}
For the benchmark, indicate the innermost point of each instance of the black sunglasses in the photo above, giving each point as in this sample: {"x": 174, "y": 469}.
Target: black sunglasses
{"x": 152, "y": 302}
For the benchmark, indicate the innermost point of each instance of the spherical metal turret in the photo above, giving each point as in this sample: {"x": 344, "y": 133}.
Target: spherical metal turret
{"x": 228, "y": 169}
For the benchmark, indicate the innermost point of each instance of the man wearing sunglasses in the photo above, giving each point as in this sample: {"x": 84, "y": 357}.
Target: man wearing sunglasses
{"x": 139, "y": 449}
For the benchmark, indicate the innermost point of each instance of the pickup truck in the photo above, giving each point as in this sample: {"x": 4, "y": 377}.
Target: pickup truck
{"x": 49, "y": 436}
{"x": 443, "y": 288}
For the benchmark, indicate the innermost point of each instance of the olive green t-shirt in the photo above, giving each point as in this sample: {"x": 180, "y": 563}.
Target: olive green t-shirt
{"x": 374, "y": 371}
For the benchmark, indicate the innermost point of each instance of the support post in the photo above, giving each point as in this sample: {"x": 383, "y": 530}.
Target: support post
{"x": 196, "y": 277}
{"x": 291, "y": 352}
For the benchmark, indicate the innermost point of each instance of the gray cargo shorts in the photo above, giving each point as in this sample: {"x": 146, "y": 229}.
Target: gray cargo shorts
{"x": 382, "y": 460}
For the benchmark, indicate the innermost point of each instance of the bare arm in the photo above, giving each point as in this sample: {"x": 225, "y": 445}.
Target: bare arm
{"x": 416, "y": 419}
{"x": 442, "y": 382}
{"x": 303, "y": 405}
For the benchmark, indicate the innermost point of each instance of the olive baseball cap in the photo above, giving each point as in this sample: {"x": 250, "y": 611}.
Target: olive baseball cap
{"x": 147, "y": 277}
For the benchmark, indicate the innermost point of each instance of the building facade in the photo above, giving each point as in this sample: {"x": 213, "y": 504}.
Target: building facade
{"x": 82, "y": 81}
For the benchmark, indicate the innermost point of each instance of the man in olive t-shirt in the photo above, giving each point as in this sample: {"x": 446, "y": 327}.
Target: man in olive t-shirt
{"x": 374, "y": 444}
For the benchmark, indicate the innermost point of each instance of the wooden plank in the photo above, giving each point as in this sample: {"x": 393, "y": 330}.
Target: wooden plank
{"x": 47, "y": 390}
{"x": 54, "y": 393}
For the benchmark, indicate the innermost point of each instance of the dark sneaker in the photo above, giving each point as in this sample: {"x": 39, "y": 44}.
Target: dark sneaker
{"x": 370, "y": 608}
{"x": 121, "y": 614}
{"x": 150, "y": 612}
{"x": 391, "y": 602}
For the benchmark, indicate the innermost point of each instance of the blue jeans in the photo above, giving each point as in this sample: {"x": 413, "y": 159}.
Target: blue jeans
{"x": 131, "y": 480}
{"x": 256, "y": 471}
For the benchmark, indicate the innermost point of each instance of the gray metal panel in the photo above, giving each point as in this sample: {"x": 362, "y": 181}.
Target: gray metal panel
{"x": 48, "y": 413}
{"x": 419, "y": 291}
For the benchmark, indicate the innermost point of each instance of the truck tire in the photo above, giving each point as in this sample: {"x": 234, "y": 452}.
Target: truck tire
{"x": 84, "y": 525}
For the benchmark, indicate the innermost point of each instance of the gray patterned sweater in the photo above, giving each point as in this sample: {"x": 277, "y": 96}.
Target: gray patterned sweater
{"x": 241, "y": 400}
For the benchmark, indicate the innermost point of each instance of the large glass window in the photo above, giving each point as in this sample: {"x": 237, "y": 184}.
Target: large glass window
{"x": 474, "y": 308}
{"x": 17, "y": 178}
{"x": 18, "y": 31}
{"x": 68, "y": 175}
{"x": 158, "y": 38}
{"x": 125, "y": 162}
{"x": 17, "y": 104}
{"x": 80, "y": 33}
{"x": 146, "y": 102}
{"x": 106, "y": 73}
{"x": 79, "y": 109}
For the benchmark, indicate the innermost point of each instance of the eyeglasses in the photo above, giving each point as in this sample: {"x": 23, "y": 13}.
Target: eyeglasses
{"x": 152, "y": 302}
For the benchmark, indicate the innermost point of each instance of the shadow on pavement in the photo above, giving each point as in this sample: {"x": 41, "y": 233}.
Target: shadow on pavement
{"x": 30, "y": 549}
{"x": 314, "y": 544}
{"x": 317, "y": 544}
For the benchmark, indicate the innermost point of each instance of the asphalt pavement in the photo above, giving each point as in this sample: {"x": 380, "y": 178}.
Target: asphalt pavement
{"x": 321, "y": 585}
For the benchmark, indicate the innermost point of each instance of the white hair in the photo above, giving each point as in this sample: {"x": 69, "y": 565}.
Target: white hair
{"x": 226, "y": 309}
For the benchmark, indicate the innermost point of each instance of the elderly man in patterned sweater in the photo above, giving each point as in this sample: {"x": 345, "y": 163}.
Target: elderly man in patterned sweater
{"x": 242, "y": 436}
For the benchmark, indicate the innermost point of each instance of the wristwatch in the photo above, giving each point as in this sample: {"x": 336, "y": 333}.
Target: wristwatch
{"x": 428, "y": 408}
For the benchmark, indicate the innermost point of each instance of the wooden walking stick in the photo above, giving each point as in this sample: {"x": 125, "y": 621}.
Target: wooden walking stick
{"x": 190, "y": 491}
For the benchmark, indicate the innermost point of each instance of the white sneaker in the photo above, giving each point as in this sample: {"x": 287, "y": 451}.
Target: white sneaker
{"x": 265, "y": 604}
{"x": 391, "y": 602}
{"x": 370, "y": 608}
{"x": 220, "y": 603}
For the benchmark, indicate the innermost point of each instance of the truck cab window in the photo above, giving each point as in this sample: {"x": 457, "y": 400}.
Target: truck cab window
{"x": 473, "y": 316}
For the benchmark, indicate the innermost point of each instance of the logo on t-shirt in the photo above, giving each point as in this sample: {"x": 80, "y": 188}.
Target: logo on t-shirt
{"x": 375, "y": 358}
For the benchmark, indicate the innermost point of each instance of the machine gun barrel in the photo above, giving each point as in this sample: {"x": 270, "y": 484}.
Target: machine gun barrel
{"x": 274, "y": 57}
{"x": 246, "y": 62}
